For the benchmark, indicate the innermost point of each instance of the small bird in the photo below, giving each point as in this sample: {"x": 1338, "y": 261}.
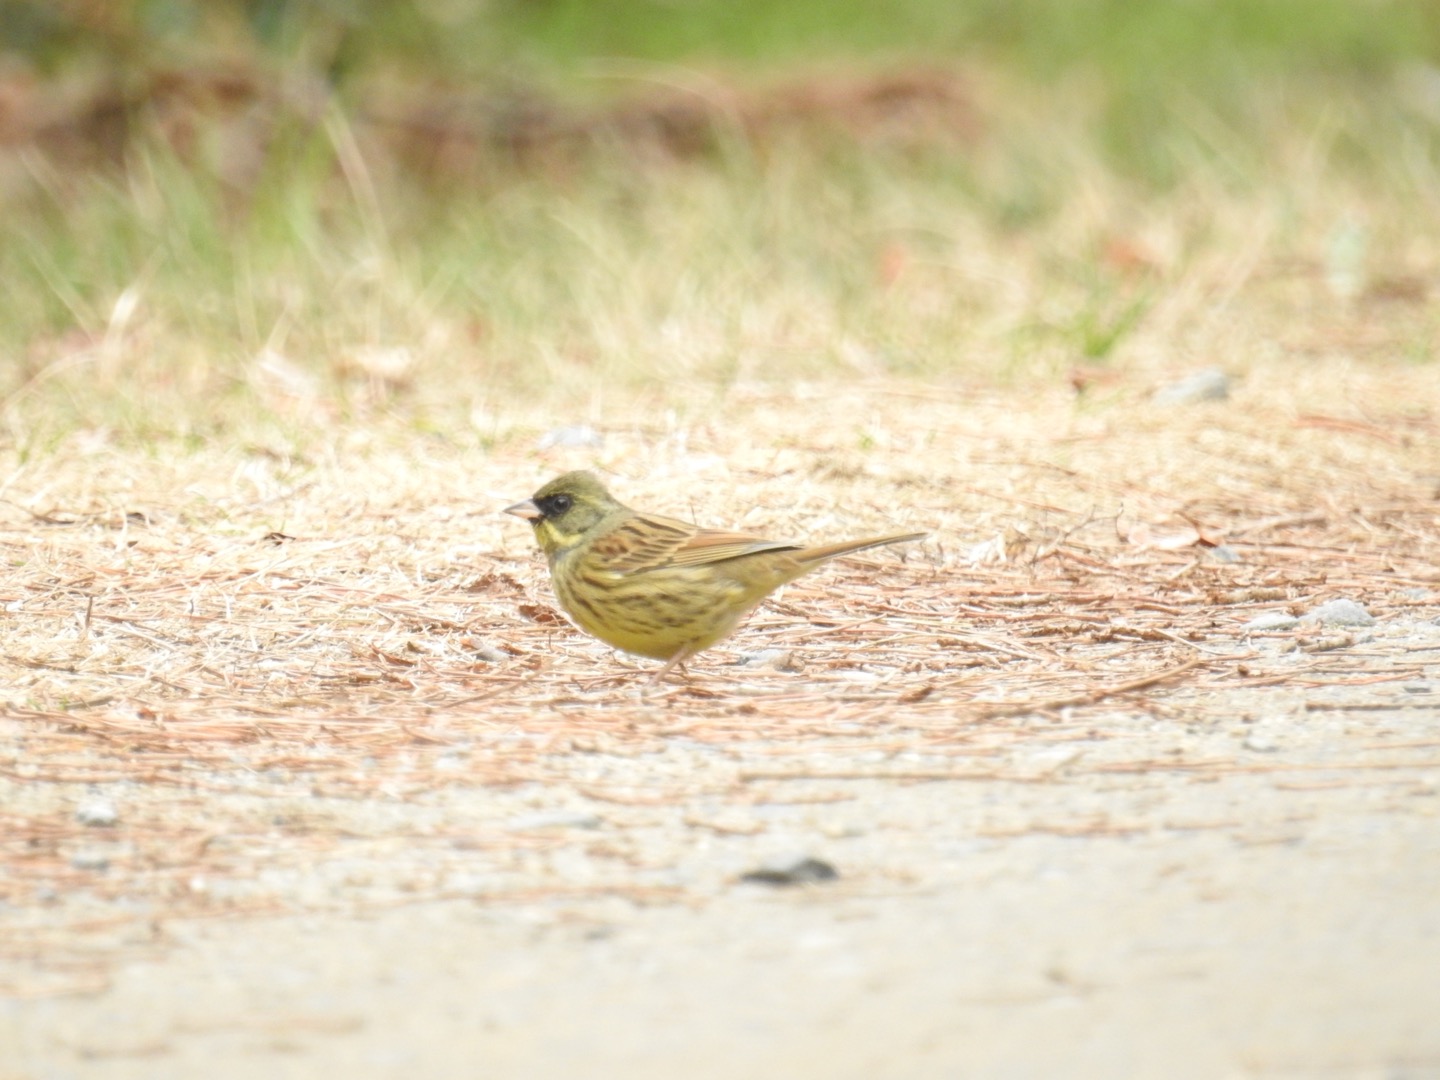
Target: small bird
{"x": 653, "y": 585}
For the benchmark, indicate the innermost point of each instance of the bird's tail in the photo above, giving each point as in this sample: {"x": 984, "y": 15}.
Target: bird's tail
{"x": 824, "y": 552}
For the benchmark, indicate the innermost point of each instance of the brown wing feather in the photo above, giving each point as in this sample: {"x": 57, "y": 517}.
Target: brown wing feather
{"x": 639, "y": 543}
{"x": 648, "y": 542}
{"x": 717, "y": 545}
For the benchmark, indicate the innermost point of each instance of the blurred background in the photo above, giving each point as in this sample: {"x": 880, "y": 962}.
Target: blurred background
{"x": 454, "y": 215}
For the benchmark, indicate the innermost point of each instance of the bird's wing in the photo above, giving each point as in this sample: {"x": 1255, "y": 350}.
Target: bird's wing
{"x": 648, "y": 542}
{"x": 717, "y": 545}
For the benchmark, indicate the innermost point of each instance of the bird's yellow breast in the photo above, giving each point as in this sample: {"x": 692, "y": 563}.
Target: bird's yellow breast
{"x": 656, "y": 613}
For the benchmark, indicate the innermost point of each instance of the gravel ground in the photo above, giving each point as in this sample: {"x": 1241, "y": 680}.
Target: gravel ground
{"x": 1237, "y": 884}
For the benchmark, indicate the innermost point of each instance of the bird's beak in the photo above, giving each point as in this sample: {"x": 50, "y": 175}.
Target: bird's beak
{"x": 527, "y": 510}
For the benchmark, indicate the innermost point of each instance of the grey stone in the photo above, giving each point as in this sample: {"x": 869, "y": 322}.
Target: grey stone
{"x": 1341, "y": 613}
{"x": 792, "y": 870}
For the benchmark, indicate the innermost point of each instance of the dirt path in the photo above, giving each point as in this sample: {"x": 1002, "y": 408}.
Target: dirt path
{"x": 1263, "y": 905}
{"x": 351, "y": 800}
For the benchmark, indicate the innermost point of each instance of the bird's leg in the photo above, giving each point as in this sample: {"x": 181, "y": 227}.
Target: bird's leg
{"x": 676, "y": 661}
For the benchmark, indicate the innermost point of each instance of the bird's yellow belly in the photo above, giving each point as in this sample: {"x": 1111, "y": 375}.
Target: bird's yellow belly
{"x": 660, "y": 613}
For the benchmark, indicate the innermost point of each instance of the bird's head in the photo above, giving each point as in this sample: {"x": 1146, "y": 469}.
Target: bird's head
{"x": 566, "y": 510}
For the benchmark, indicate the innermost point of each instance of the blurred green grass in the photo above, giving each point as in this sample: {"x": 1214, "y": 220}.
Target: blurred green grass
{"x": 1178, "y": 40}
{"x": 1144, "y": 180}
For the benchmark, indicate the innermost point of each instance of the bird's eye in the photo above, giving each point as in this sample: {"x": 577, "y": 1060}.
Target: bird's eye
{"x": 560, "y": 503}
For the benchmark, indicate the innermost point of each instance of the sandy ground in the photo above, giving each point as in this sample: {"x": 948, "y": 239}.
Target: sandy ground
{"x": 1086, "y": 820}
{"x": 1264, "y": 905}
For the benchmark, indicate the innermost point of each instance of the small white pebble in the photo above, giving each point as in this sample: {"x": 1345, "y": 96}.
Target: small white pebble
{"x": 97, "y": 813}
{"x": 554, "y": 819}
{"x": 490, "y": 654}
{"x": 1210, "y": 384}
{"x": 1260, "y": 743}
{"x": 1271, "y": 620}
{"x": 767, "y": 659}
{"x": 575, "y": 436}
{"x": 90, "y": 859}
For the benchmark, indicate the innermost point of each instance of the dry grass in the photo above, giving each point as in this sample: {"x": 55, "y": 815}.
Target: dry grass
{"x": 326, "y": 289}
{"x": 284, "y": 670}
